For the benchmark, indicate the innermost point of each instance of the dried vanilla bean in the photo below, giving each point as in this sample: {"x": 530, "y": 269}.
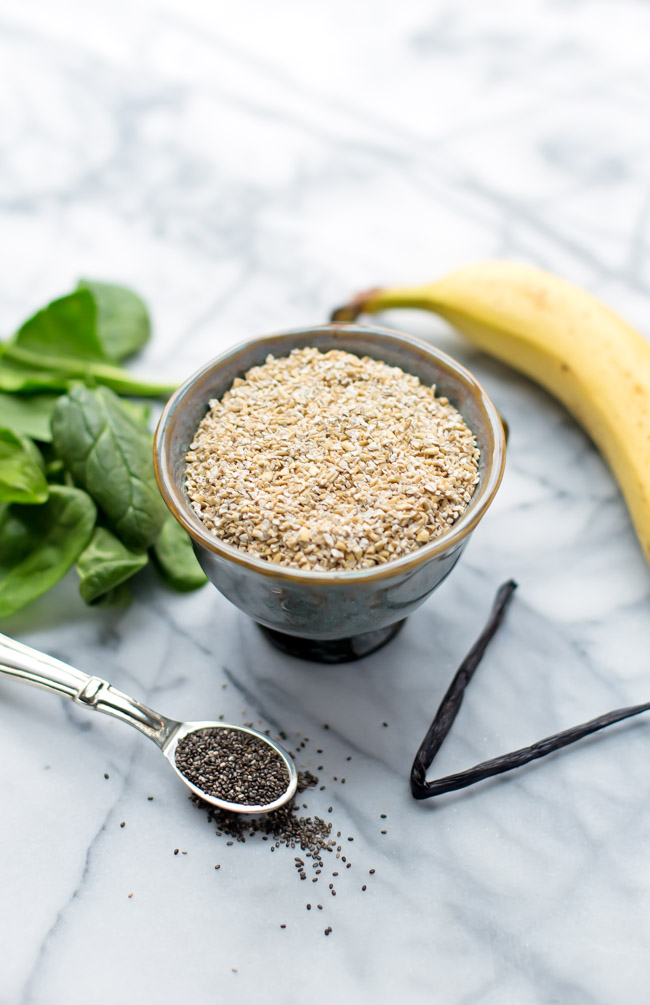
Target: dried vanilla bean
{"x": 450, "y": 704}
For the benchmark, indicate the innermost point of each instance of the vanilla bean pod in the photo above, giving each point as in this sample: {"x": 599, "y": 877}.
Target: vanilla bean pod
{"x": 448, "y": 710}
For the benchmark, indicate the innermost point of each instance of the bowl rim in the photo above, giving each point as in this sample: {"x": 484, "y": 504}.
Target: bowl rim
{"x": 190, "y": 521}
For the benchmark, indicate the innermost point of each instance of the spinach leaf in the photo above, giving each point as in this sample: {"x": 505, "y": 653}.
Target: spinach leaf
{"x": 29, "y": 416}
{"x": 38, "y": 544}
{"x": 55, "y": 471}
{"x": 59, "y": 344}
{"x": 20, "y": 378}
{"x": 174, "y": 556}
{"x": 65, "y": 328}
{"x": 139, "y": 412}
{"x": 21, "y": 470}
{"x": 120, "y": 596}
{"x": 110, "y": 456}
{"x": 123, "y": 322}
{"x": 104, "y": 564}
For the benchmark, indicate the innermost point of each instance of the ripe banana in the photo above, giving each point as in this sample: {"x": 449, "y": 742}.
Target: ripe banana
{"x": 566, "y": 340}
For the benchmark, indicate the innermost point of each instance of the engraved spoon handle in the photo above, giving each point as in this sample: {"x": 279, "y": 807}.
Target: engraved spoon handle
{"x": 40, "y": 670}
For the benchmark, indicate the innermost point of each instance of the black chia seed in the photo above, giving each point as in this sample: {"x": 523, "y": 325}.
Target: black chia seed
{"x": 311, "y": 838}
{"x": 233, "y": 766}
{"x": 284, "y": 826}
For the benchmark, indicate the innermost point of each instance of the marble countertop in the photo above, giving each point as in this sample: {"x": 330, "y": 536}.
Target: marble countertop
{"x": 246, "y": 167}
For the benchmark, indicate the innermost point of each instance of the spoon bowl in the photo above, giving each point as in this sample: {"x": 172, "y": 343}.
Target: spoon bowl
{"x": 185, "y": 728}
{"x": 30, "y": 666}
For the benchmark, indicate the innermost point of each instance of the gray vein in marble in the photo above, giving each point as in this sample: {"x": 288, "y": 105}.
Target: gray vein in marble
{"x": 55, "y": 931}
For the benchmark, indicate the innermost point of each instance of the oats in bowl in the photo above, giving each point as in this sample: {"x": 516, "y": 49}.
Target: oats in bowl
{"x": 328, "y": 461}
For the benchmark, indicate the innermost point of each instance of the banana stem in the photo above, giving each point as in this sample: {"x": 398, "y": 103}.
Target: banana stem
{"x": 378, "y": 299}
{"x": 356, "y": 306}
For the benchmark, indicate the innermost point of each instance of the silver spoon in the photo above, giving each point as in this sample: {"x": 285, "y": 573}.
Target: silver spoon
{"x": 32, "y": 667}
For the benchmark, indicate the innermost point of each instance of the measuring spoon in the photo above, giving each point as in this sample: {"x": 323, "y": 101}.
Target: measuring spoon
{"x": 40, "y": 670}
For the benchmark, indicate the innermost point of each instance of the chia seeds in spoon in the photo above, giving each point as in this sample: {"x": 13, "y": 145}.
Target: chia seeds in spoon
{"x": 233, "y": 766}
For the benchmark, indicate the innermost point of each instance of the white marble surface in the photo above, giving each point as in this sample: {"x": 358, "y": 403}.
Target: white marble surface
{"x": 247, "y": 166}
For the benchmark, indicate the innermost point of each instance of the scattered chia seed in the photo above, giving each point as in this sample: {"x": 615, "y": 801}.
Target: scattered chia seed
{"x": 310, "y": 837}
{"x": 123, "y": 824}
{"x": 175, "y": 851}
{"x": 106, "y": 775}
{"x": 310, "y": 834}
{"x": 233, "y": 766}
{"x": 371, "y": 871}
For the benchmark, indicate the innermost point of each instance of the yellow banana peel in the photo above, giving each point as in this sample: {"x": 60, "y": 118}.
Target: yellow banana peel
{"x": 562, "y": 337}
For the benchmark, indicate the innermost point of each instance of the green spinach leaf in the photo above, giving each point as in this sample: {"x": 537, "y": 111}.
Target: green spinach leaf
{"x": 39, "y": 544}
{"x": 105, "y": 564}
{"x": 123, "y": 322}
{"x": 140, "y": 412}
{"x": 120, "y": 596}
{"x": 21, "y": 470}
{"x": 30, "y": 416}
{"x": 59, "y": 344}
{"x": 20, "y": 378}
{"x": 174, "y": 556}
{"x": 65, "y": 329}
{"x": 110, "y": 456}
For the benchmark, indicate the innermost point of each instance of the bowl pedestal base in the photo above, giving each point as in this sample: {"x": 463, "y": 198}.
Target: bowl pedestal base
{"x": 332, "y": 650}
